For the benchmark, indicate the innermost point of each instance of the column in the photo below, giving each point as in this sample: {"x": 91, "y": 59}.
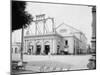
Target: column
{"x": 42, "y": 47}
{"x": 54, "y": 46}
{"x": 24, "y": 51}
{"x": 74, "y": 52}
{"x": 34, "y": 47}
{"x": 26, "y": 46}
{"x": 51, "y": 46}
{"x": 31, "y": 47}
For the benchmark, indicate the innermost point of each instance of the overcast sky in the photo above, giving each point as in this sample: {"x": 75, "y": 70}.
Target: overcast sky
{"x": 79, "y": 17}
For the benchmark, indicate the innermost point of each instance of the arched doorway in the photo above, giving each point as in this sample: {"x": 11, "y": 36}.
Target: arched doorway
{"x": 47, "y": 47}
{"x": 30, "y": 48}
{"x": 38, "y": 48}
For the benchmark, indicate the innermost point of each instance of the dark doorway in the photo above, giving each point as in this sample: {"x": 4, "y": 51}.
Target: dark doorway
{"x": 47, "y": 49}
{"x": 38, "y": 49}
{"x": 66, "y": 42}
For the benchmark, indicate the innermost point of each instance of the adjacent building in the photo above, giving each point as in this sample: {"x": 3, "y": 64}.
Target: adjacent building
{"x": 93, "y": 29}
{"x": 16, "y": 47}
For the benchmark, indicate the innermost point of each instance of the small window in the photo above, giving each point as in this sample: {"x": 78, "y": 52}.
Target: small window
{"x": 15, "y": 50}
{"x": 66, "y": 42}
{"x": 12, "y": 50}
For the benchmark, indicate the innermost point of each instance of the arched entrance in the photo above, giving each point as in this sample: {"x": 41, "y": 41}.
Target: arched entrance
{"x": 47, "y": 47}
{"x": 38, "y": 48}
{"x": 30, "y": 48}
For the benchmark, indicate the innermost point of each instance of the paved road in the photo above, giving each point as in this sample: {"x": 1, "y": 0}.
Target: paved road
{"x": 55, "y": 63}
{"x": 44, "y": 66}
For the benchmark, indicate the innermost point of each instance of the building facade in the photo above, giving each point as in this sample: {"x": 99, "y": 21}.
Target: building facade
{"x": 66, "y": 40}
{"x": 43, "y": 44}
{"x": 76, "y": 40}
{"x": 63, "y": 39}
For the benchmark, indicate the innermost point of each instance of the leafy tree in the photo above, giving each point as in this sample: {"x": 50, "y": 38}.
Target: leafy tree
{"x": 19, "y": 16}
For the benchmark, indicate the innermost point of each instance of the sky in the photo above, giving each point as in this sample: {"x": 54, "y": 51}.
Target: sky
{"x": 79, "y": 17}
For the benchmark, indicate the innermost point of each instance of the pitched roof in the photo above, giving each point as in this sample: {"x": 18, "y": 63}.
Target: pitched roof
{"x": 68, "y": 26}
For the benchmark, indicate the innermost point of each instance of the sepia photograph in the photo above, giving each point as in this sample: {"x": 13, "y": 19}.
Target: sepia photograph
{"x": 52, "y": 37}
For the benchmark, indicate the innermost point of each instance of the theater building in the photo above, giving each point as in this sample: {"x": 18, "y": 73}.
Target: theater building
{"x": 64, "y": 38}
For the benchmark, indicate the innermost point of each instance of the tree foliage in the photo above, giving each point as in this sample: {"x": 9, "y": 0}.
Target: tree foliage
{"x": 19, "y": 16}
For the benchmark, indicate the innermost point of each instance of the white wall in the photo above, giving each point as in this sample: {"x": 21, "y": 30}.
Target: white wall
{"x": 70, "y": 44}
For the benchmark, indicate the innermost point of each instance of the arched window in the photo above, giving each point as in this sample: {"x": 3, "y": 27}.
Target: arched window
{"x": 47, "y": 43}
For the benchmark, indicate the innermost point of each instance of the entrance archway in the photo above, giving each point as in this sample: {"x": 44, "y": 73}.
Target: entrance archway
{"x": 38, "y": 48}
{"x": 47, "y": 48}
